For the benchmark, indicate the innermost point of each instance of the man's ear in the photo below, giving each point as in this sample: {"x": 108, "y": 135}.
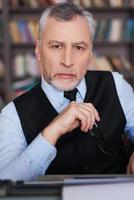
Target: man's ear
{"x": 38, "y": 54}
{"x": 37, "y": 49}
{"x": 90, "y": 61}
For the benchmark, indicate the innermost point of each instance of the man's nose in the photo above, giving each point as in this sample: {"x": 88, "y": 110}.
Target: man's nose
{"x": 67, "y": 58}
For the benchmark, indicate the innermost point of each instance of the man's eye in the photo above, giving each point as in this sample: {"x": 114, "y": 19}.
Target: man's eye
{"x": 56, "y": 46}
{"x": 80, "y": 48}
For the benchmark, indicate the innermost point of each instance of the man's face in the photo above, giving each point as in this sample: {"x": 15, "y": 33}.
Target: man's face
{"x": 64, "y": 52}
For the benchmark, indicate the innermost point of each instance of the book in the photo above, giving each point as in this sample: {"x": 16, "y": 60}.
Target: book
{"x": 33, "y": 29}
{"x": 86, "y": 3}
{"x": 115, "y": 33}
{"x": 15, "y": 34}
{"x": 25, "y": 64}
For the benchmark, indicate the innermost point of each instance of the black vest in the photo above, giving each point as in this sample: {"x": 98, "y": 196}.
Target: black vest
{"x": 79, "y": 152}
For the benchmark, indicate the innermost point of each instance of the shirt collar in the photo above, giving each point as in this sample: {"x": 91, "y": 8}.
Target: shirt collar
{"x": 55, "y": 96}
{"x": 82, "y": 88}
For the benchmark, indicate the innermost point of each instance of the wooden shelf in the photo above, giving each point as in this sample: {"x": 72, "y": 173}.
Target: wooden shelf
{"x": 109, "y": 43}
{"x": 26, "y": 10}
{"x": 38, "y": 10}
{"x": 111, "y": 9}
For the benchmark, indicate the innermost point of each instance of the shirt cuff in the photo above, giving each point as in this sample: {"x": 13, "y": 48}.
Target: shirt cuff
{"x": 41, "y": 152}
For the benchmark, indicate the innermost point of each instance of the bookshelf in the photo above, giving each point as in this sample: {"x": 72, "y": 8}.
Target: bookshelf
{"x": 124, "y": 46}
{"x": 12, "y": 53}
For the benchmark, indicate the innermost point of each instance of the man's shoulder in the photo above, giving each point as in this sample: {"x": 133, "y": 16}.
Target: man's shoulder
{"x": 99, "y": 75}
{"x": 9, "y": 108}
{"x": 9, "y": 114}
{"x": 116, "y": 76}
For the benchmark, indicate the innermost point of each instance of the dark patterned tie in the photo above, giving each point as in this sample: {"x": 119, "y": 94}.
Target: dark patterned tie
{"x": 71, "y": 95}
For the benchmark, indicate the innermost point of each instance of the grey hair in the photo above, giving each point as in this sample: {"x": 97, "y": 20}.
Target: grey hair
{"x": 65, "y": 11}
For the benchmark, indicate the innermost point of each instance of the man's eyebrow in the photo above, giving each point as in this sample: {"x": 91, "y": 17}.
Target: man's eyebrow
{"x": 63, "y": 43}
{"x": 55, "y": 41}
{"x": 80, "y": 43}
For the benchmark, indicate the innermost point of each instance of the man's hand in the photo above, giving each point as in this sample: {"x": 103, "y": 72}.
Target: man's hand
{"x": 75, "y": 115}
{"x": 130, "y": 166}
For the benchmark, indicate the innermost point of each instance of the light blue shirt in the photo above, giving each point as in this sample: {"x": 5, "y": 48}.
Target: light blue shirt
{"x": 26, "y": 162}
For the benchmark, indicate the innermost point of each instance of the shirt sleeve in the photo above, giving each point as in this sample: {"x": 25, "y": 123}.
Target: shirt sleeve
{"x": 19, "y": 161}
{"x": 126, "y": 97}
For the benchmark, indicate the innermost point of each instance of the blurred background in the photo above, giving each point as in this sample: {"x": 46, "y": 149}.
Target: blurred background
{"x": 113, "y": 41}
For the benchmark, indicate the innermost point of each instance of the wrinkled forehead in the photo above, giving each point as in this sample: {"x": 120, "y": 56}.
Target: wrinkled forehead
{"x": 74, "y": 29}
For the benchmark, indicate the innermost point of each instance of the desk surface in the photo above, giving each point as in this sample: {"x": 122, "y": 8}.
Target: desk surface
{"x": 50, "y": 186}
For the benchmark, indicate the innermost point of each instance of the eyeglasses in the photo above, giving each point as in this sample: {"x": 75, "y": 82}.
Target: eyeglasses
{"x": 103, "y": 146}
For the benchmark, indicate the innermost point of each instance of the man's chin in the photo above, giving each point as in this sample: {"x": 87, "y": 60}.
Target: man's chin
{"x": 64, "y": 86}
